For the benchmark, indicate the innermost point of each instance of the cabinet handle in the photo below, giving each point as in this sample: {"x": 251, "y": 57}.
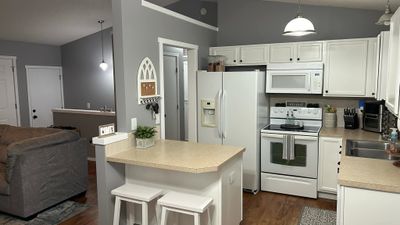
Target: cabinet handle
{"x": 326, "y": 91}
{"x": 340, "y": 152}
{"x": 298, "y": 59}
{"x": 338, "y": 163}
{"x": 241, "y": 60}
{"x": 373, "y": 93}
{"x": 340, "y": 147}
{"x": 291, "y": 59}
{"x": 234, "y": 60}
{"x": 338, "y": 170}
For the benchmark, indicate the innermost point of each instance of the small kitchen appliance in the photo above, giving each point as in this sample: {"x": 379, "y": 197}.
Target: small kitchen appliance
{"x": 351, "y": 118}
{"x": 373, "y": 114}
{"x": 289, "y": 154}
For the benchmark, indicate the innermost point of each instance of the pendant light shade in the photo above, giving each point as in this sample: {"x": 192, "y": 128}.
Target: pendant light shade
{"x": 386, "y": 17}
{"x": 103, "y": 65}
{"x": 299, "y": 26}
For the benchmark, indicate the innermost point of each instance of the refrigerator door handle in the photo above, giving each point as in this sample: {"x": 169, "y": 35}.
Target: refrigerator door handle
{"x": 219, "y": 113}
{"x": 224, "y": 135}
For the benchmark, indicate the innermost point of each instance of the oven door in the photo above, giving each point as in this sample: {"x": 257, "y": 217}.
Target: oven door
{"x": 289, "y": 155}
{"x": 288, "y": 81}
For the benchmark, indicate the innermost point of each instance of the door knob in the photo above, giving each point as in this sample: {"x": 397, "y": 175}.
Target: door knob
{"x": 34, "y": 110}
{"x": 35, "y": 117}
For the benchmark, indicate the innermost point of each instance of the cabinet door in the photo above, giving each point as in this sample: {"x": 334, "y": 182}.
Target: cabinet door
{"x": 309, "y": 52}
{"x": 383, "y": 54}
{"x": 346, "y": 68}
{"x": 329, "y": 157}
{"x": 231, "y": 54}
{"x": 254, "y": 54}
{"x": 372, "y": 71}
{"x": 281, "y": 53}
{"x": 392, "y": 86}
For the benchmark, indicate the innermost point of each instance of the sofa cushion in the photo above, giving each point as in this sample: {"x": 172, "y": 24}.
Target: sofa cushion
{"x": 3, "y": 153}
{"x": 4, "y": 186}
{"x": 10, "y": 134}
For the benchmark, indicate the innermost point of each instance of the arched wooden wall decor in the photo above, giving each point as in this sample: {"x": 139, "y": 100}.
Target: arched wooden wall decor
{"x": 147, "y": 83}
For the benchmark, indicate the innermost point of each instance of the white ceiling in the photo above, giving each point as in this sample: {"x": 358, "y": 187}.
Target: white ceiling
{"x": 357, "y": 4}
{"x": 53, "y": 22}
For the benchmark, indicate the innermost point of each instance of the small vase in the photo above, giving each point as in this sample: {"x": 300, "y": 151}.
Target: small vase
{"x": 144, "y": 142}
{"x": 330, "y": 120}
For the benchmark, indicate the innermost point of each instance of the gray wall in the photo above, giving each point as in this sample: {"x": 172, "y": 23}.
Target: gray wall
{"x": 84, "y": 81}
{"x": 29, "y": 54}
{"x": 256, "y": 21}
{"x": 136, "y": 30}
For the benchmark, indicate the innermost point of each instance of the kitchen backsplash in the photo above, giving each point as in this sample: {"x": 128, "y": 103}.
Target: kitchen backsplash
{"x": 388, "y": 121}
{"x": 339, "y": 103}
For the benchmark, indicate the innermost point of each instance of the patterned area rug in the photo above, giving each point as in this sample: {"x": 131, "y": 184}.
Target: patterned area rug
{"x": 314, "y": 216}
{"x": 52, "y": 216}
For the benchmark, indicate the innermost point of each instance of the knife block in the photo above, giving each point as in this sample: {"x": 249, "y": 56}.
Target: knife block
{"x": 351, "y": 121}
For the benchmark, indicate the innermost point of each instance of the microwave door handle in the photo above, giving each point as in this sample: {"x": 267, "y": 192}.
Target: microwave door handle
{"x": 309, "y": 81}
{"x": 291, "y": 148}
{"x": 285, "y": 148}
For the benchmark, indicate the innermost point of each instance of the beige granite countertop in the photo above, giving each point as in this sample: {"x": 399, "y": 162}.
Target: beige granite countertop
{"x": 372, "y": 174}
{"x": 179, "y": 156}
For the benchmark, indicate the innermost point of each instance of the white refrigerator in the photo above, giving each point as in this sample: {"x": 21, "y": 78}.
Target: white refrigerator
{"x": 232, "y": 110}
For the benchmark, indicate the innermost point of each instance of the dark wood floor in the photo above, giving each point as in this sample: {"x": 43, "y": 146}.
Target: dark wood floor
{"x": 262, "y": 209}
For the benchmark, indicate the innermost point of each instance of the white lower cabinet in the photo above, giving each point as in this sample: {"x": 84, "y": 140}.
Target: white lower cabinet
{"x": 328, "y": 163}
{"x": 366, "y": 207}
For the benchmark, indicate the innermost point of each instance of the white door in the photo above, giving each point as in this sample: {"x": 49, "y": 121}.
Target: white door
{"x": 209, "y": 87}
{"x": 281, "y": 53}
{"x": 45, "y": 92}
{"x": 346, "y": 68}
{"x": 171, "y": 97}
{"x": 309, "y": 52}
{"x": 239, "y": 121}
{"x": 8, "y": 106}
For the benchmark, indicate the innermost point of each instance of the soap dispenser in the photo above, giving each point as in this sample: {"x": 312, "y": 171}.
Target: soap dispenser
{"x": 393, "y": 140}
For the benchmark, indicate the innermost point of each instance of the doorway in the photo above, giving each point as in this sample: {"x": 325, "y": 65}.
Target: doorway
{"x": 185, "y": 110}
{"x": 45, "y": 93}
{"x": 9, "y": 113}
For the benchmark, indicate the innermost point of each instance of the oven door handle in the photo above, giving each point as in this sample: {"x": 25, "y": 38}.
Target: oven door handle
{"x": 306, "y": 138}
{"x": 285, "y": 147}
{"x": 291, "y": 147}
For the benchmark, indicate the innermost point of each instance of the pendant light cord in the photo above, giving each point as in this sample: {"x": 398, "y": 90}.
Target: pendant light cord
{"x": 102, "y": 41}
{"x": 298, "y": 8}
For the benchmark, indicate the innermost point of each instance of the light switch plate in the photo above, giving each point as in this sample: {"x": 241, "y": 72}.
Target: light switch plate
{"x": 107, "y": 129}
{"x": 133, "y": 123}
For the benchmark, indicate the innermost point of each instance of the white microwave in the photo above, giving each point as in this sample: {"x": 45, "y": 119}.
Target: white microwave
{"x": 296, "y": 78}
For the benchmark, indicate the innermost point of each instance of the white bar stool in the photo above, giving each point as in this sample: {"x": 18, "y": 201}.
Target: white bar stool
{"x": 134, "y": 194}
{"x": 186, "y": 204}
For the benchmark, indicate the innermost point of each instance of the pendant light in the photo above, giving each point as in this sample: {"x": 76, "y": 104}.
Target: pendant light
{"x": 299, "y": 26}
{"x": 103, "y": 65}
{"x": 385, "y": 18}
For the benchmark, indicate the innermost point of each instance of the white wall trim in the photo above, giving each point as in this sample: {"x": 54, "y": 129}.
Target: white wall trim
{"x": 192, "y": 86}
{"x": 177, "y": 15}
{"x": 16, "y": 91}
{"x": 27, "y": 67}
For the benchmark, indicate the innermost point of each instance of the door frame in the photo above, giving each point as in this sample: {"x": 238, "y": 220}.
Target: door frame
{"x": 27, "y": 67}
{"x": 16, "y": 91}
{"x": 192, "y": 86}
{"x": 176, "y": 55}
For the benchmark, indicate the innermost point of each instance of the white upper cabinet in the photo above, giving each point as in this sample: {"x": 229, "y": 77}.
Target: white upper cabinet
{"x": 347, "y": 67}
{"x": 231, "y": 54}
{"x": 243, "y": 55}
{"x": 372, "y": 68}
{"x": 383, "y": 64}
{"x": 253, "y": 54}
{"x": 296, "y": 52}
{"x": 282, "y": 53}
{"x": 393, "y": 80}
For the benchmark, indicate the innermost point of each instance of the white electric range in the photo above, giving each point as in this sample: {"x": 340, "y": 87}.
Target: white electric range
{"x": 289, "y": 151}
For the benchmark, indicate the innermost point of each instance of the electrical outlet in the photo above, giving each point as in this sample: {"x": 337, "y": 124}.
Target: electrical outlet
{"x": 107, "y": 129}
{"x": 133, "y": 123}
{"x": 88, "y": 105}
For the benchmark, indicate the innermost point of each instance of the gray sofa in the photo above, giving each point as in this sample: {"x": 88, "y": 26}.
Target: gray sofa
{"x": 40, "y": 167}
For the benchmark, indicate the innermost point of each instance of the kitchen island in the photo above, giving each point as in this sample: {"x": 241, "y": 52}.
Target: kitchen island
{"x": 208, "y": 170}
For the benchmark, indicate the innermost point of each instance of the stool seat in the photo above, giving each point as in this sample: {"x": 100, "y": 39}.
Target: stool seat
{"x": 137, "y": 192}
{"x": 184, "y": 201}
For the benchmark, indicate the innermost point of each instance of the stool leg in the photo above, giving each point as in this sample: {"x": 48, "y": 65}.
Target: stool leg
{"x": 145, "y": 213}
{"x": 208, "y": 217}
{"x": 117, "y": 210}
{"x": 163, "y": 216}
{"x": 130, "y": 213}
{"x": 196, "y": 219}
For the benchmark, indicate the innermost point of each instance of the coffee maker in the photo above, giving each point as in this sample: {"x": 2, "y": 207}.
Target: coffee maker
{"x": 372, "y": 119}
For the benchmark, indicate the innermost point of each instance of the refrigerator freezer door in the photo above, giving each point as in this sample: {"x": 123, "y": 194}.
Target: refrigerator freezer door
{"x": 240, "y": 121}
{"x": 209, "y": 87}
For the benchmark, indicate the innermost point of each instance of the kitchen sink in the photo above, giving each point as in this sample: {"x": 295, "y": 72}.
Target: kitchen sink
{"x": 369, "y": 149}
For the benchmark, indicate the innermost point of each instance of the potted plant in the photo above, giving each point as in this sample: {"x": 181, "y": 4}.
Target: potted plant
{"x": 145, "y": 136}
{"x": 330, "y": 117}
